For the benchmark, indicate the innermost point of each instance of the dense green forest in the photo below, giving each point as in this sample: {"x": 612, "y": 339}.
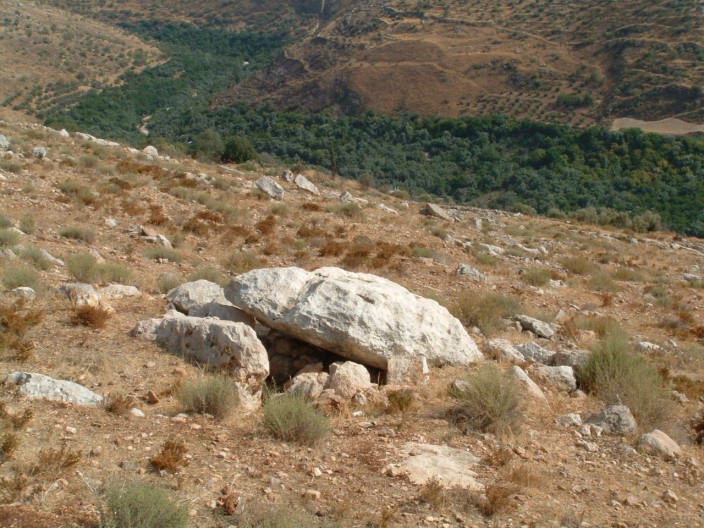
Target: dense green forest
{"x": 489, "y": 161}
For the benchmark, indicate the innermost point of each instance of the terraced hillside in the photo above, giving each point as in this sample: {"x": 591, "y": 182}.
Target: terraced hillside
{"x": 50, "y": 57}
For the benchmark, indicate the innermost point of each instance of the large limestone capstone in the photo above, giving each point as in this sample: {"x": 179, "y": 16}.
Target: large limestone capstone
{"x": 358, "y": 316}
{"x": 217, "y": 343}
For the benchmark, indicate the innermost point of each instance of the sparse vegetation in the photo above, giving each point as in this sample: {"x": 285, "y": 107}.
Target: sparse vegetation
{"x": 141, "y": 505}
{"x": 172, "y": 456}
{"x": 95, "y": 317}
{"x": 291, "y": 418}
{"x": 613, "y": 372}
{"x": 160, "y": 253}
{"x": 242, "y": 261}
{"x": 537, "y": 276}
{"x": 15, "y": 276}
{"x": 214, "y": 395}
{"x": 168, "y": 281}
{"x": 489, "y": 401}
{"x": 8, "y": 238}
{"x": 486, "y": 311}
{"x": 209, "y": 274}
{"x": 78, "y": 233}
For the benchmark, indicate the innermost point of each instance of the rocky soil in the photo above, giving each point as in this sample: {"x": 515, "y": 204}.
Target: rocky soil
{"x": 102, "y": 233}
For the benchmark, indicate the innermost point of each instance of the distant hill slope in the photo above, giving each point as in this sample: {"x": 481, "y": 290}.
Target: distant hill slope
{"x": 556, "y": 61}
{"x": 50, "y": 57}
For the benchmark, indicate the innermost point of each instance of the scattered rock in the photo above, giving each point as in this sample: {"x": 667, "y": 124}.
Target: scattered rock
{"x": 4, "y": 143}
{"x": 387, "y": 209}
{"x": 645, "y": 346}
{"x": 536, "y": 353}
{"x": 348, "y": 378}
{"x": 359, "y": 316}
{"x": 82, "y": 295}
{"x": 570, "y": 358}
{"x": 657, "y": 443}
{"x": 448, "y": 466}
{"x": 288, "y": 176}
{"x": 616, "y": 419}
{"x": 539, "y": 328}
{"x": 528, "y": 384}
{"x": 223, "y": 311}
{"x": 195, "y": 295}
{"x": 559, "y": 378}
{"x": 465, "y": 270}
{"x": 437, "y": 212}
{"x": 669, "y": 497}
{"x": 346, "y": 197}
{"x": 118, "y": 291}
{"x": 270, "y": 187}
{"x": 7, "y": 254}
{"x": 43, "y": 387}
{"x": 218, "y": 343}
{"x": 303, "y": 183}
{"x": 406, "y": 370}
{"x": 503, "y": 350}
{"x": 39, "y": 152}
{"x": 570, "y": 419}
{"x": 24, "y": 292}
{"x": 150, "y": 150}
{"x": 309, "y": 384}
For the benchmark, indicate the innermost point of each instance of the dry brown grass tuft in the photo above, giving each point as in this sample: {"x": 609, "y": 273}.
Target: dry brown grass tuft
{"x": 8, "y": 445}
{"x": 267, "y": 226}
{"x": 172, "y": 456}
{"x": 496, "y": 498}
{"x": 434, "y": 494}
{"x": 54, "y": 461}
{"x": 92, "y": 316}
{"x": 15, "y": 322}
{"x": 119, "y": 404}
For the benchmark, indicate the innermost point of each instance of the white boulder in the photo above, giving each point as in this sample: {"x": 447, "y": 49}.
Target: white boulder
{"x": 358, "y": 316}
{"x": 270, "y": 187}
{"x": 43, "y": 387}
{"x": 305, "y": 184}
{"x": 348, "y": 378}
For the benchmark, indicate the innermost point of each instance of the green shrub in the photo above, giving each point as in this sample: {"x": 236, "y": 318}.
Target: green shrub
{"x": 168, "y": 281}
{"x": 209, "y": 274}
{"x": 8, "y": 238}
{"x": 291, "y": 418}
{"x": 662, "y": 296}
{"x": 141, "y": 505}
{"x": 242, "y": 261}
{"x": 628, "y": 275}
{"x": 349, "y": 210}
{"x": 78, "y": 233}
{"x": 238, "y": 149}
{"x": 157, "y": 253}
{"x": 577, "y": 265}
{"x": 20, "y": 275}
{"x": 537, "y": 276}
{"x": 280, "y": 516}
{"x": 36, "y": 256}
{"x": 613, "y": 372}
{"x": 214, "y": 395}
{"x": 27, "y": 224}
{"x": 5, "y": 222}
{"x": 112, "y": 272}
{"x": 489, "y": 401}
{"x": 603, "y": 327}
{"x": 10, "y": 166}
{"x": 82, "y": 267}
{"x": 486, "y": 311}
{"x": 602, "y": 282}
{"x": 422, "y": 252}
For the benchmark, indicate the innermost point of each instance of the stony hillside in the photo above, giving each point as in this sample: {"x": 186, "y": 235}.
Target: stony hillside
{"x": 101, "y": 233}
{"x": 50, "y": 57}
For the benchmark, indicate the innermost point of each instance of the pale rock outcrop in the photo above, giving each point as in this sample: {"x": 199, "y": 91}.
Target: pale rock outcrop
{"x": 346, "y": 197}
{"x": 150, "y": 150}
{"x": 193, "y": 295}
{"x": 559, "y": 378}
{"x": 358, "y": 316}
{"x": 84, "y": 295}
{"x": 288, "y": 176}
{"x": 39, "y": 152}
{"x": 218, "y": 343}
{"x": 437, "y": 212}
{"x": 465, "y": 270}
{"x": 305, "y": 184}
{"x": 4, "y": 143}
{"x": 270, "y": 187}
{"x": 503, "y": 350}
{"x": 616, "y": 419}
{"x": 406, "y": 370}
{"x": 571, "y": 358}
{"x": 387, "y": 209}
{"x": 118, "y": 291}
{"x": 223, "y": 311}
{"x": 538, "y": 327}
{"x": 657, "y": 443}
{"x": 23, "y": 292}
{"x": 449, "y": 466}
{"x": 348, "y": 378}
{"x": 309, "y": 384}
{"x": 526, "y": 383}
{"x": 39, "y": 386}
{"x": 536, "y": 353}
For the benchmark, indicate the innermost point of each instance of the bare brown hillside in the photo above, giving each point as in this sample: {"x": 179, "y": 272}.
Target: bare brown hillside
{"x": 80, "y": 200}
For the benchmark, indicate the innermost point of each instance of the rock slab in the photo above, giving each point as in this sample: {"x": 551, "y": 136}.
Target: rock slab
{"x": 35, "y": 385}
{"x": 361, "y": 317}
{"x": 449, "y": 466}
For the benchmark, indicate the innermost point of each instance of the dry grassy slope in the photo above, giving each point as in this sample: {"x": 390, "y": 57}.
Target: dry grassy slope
{"x": 556, "y": 481}
{"x": 49, "y": 56}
